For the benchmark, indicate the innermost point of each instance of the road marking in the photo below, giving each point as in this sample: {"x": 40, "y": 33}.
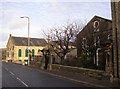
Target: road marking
{"x": 17, "y": 78}
{"x": 22, "y": 82}
{"x": 6, "y": 69}
{"x": 12, "y": 73}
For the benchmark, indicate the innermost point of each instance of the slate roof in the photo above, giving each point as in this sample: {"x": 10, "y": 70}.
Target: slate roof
{"x": 22, "y": 41}
{"x": 70, "y": 43}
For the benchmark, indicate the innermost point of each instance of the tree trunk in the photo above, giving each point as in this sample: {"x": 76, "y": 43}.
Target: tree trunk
{"x": 62, "y": 60}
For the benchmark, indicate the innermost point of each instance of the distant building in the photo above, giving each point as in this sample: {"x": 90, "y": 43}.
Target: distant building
{"x": 55, "y": 48}
{"x": 115, "y": 7}
{"x": 3, "y": 53}
{"x": 17, "y": 48}
{"x": 94, "y": 42}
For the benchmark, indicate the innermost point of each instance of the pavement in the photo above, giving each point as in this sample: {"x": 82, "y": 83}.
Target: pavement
{"x": 83, "y": 79}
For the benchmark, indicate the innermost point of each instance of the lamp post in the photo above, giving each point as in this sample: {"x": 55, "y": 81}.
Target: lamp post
{"x": 28, "y": 36}
{"x": 49, "y": 48}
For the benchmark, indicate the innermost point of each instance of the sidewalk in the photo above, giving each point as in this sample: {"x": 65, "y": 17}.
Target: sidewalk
{"x": 80, "y": 78}
{"x": 93, "y": 82}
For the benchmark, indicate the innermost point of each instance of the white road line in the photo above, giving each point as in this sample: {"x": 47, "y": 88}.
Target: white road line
{"x": 12, "y": 73}
{"x": 17, "y": 77}
{"x": 6, "y": 69}
{"x": 22, "y": 82}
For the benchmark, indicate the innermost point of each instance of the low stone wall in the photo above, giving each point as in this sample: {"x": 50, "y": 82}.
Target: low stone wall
{"x": 35, "y": 64}
{"x": 38, "y": 65}
{"x": 77, "y": 70}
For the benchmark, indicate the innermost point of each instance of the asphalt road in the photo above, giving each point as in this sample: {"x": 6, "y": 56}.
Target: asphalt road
{"x": 14, "y": 75}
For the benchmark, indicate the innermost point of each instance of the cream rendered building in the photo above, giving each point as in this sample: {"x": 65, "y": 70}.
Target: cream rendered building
{"x": 17, "y": 48}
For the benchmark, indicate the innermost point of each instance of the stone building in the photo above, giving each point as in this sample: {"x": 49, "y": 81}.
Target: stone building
{"x": 3, "y": 51}
{"x": 17, "y": 48}
{"x": 56, "y": 49}
{"x": 94, "y": 42}
{"x": 115, "y": 5}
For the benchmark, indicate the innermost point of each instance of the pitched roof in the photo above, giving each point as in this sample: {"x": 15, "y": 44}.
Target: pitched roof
{"x": 70, "y": 43}
{"x": 102, "y": 18}
{"x": 23, "y": 41}
{"x": 94, "y": 18}
{"x": 105, "y": 29}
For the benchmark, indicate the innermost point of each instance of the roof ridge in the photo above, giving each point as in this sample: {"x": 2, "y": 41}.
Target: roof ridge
{"x": 22, "y": 41}
{"x": 27, "y": 37}
{"x": 102, "y": 17}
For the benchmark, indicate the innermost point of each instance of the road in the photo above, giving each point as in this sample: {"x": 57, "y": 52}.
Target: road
{"x": 15, "y": 75}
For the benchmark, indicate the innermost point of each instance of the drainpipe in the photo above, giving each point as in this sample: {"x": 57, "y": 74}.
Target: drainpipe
{"x": 97, "y": 56}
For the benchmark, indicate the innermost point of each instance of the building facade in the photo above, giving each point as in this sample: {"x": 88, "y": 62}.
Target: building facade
{"x": 115, "y": 7}
{"x": 3, "y": 50}
{"x": 56, "y": 50}
{"x": 95, "y": 42}
{"x": 17, "y": 48}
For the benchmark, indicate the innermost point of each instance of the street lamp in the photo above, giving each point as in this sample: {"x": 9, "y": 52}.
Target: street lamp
{"x": 49, "y": 50}
{"x": 28, "y": 35}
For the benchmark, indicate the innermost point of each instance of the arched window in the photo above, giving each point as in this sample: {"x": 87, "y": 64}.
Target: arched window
{"x": 19, "y": 53}
{"x": 39, "y": 50}
{"x": 26, "y": 53}
{"x": 33, "y": 51}
{"x": 96, "y": 24}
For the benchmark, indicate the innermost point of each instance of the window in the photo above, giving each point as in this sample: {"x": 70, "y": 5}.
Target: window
{"x": 98, "y": 40}
{"x": 24, "y": 42}
{"x": 12, "y": 54}
{"x": 33, "y": 51}
{"x": 95, "y": 41}
{"x": 7, "y": 54}
{"x": 84, "y": 46}
{"x": 109, "y": 36}
{"x": 96, "y": 24}
{"x": 26, "y": 53}
{"x": 19, "y": 53}
{"x": 84, "y": 43}
{"x": 39, "y": 50}
{"x": 98, "y": 30}
{"x": 38, "y": 42}
{"x": 13, "y": 48}
{"x": 32, "y": 43}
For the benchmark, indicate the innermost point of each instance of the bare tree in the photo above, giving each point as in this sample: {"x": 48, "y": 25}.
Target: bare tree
{"x": 61, "y": 38}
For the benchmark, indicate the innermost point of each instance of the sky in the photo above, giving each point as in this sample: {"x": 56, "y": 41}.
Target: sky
{"x": 46, "y": 14}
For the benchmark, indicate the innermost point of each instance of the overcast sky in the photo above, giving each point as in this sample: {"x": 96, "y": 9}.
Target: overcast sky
{"x": 45, "y": 14}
